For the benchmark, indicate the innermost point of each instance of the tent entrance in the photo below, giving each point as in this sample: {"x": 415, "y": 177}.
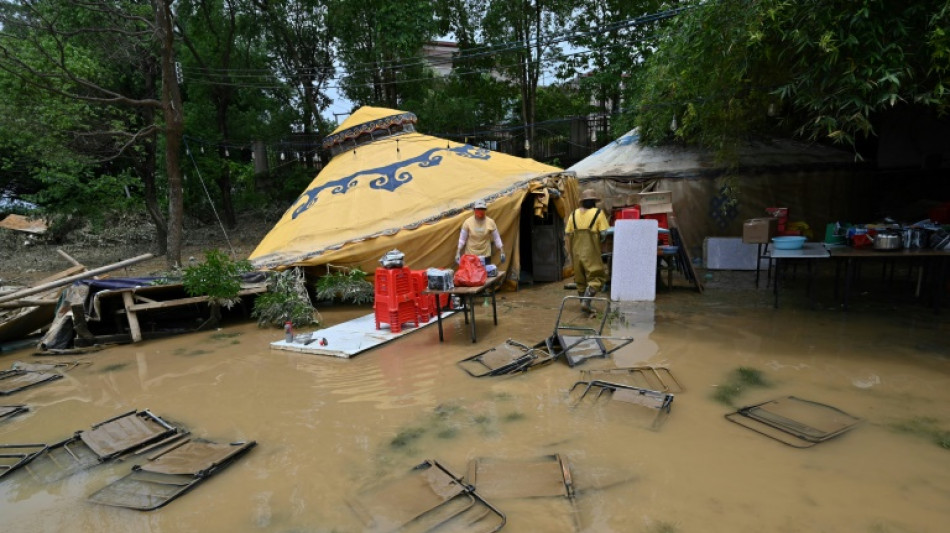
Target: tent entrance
{"x": 541, "y": 246}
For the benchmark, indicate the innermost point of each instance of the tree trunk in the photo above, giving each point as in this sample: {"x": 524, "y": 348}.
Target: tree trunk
{"x": 174, "y": 130}
{"x": 148, "y": 165}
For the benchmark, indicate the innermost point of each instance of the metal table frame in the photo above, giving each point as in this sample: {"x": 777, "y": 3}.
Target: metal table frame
{"x": 808, "y": 253}
{"x": 468, "y": 295}
{"x": 933, "y": 264}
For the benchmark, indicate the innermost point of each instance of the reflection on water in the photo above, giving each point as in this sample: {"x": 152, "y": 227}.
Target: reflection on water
{"x": 328, "y": 428}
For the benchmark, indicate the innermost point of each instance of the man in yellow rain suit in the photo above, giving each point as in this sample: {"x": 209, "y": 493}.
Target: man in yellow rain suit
{"x": 477, "y": 235}
{"x": 585, "y": 230}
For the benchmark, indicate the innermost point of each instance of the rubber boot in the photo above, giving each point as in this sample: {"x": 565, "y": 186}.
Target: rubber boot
{"x": 585, "y": 300}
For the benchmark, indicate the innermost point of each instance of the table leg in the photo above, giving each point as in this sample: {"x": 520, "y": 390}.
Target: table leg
{"x": 438, "y": 314}
{"x": 669, "y": 273}
{"x": 941, "y": 284}
{"x": 811, "y": 275}
{"x": 471, "y": 305}
{"x": 837, "y": 276}
{"x": 848, "y": 275}
{"x": 758, "y": 257}
{"x": 778, "y": 269}
{"x": 494, "y": 310}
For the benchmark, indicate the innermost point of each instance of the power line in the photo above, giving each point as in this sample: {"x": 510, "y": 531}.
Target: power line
{"x": 468, "y": 54}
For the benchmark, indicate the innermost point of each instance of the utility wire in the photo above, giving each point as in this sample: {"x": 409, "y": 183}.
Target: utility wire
{"x": 208, "y": 195}
{"x": 468, "y": 54}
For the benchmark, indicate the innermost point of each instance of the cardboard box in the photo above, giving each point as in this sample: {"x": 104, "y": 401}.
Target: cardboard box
{"x": 655, "y": 202}
{"x": 759, "y": 230}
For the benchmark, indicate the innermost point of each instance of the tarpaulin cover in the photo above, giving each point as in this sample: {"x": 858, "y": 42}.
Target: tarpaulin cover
{"x": 407, "y": 191}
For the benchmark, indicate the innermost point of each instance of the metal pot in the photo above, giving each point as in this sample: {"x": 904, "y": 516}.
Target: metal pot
{"x": 915, "y": 238}
{"x": 887, "y": 241}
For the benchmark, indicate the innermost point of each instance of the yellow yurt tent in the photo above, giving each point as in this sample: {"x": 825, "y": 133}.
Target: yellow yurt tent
{"x": 389, "y": 187}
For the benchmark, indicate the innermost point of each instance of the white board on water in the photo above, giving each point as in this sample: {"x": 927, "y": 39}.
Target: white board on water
{"x": 633, "y": 265}
{"x": 730, "y": 253}
{"x": 349, "y": 338}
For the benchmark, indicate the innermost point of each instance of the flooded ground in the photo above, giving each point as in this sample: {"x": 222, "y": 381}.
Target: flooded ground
{"x": 328, "y": 428}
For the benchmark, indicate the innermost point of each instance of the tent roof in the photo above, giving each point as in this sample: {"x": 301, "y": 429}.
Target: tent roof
{"x": 391, "y": 186}
{"x": 627, "y": 157}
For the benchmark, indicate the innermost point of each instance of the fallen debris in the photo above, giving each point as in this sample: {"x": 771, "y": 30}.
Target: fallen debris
{"x": 15, "y": 456}
{"x": 658, "y": 378}
{"x": 580, "y": 343}
{"x": 793, "y": 421}
{"x": 23, "y": 224}
{"x": 9, "y": 411}
{"x": 170, "y": 474}
{"x": 16, "y": 380}
{"x": 548, "y": 476}
{"x": 106, "y": 440}
{"x": 506, "y": 358}
{"x": 429, "y": 498}
{"x": 628, "y": 394}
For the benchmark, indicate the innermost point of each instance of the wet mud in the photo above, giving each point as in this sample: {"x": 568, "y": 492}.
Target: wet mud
{"x": 329, "y": 428}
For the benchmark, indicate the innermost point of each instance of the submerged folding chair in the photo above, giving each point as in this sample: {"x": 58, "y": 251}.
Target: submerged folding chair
{"x": 507, "y": 358}
{"x": 105, "y": 441}
{"x": 14, "y": 456}
{"x": 659, "y": 378}
{"x": 170, "y": 474}
{"x": 16, "y": 380}
{"x": 429, "y": 498}
{"x": 9, "y": 411}
{"x": 793, "y": 421}
{"x": 618, "y": 392}
{"x": 580, "y": 343}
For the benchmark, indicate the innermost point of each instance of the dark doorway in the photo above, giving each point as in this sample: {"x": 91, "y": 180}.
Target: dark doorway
{"x": 542, "y": 244}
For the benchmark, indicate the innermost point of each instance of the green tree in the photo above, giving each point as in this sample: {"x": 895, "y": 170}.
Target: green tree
{"x": 525, "y": 36}
{"x": 229, "y": 80}
{"x": 610, "y": 40}
{"x": 297, "y": 36}
{"x": 59, "y": 47}
{"x": 821, "y": 70}
{"x": 380, "y": 46}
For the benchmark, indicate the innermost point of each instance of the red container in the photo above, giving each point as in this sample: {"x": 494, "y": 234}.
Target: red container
{"x": 394, "y": 286}
{"x": 663, "y": 221}
{"x": 628, "y": 213}
{"x": 396, "y": 316}
{"x": 940, "y": 214}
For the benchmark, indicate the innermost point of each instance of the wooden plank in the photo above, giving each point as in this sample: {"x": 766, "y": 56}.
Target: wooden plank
{"x": 28, "y": 303}
{"x": 133, "y": 318}
{"x": 68, "y": 257}
{"x": 69, "y": 279}
{"x": 188, "y": 301}
{"x": 76, "y": 269}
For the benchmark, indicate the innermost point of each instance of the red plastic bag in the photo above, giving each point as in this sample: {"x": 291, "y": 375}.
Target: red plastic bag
{"x": 862, "y": 240}
{"x": 471, "y": 272}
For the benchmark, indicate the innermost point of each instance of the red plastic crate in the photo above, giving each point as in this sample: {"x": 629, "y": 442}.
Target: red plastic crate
{"x": 628, "y": 213}
{"x": 662, "y": 221}
{"x": 393, "y": 286}
{"x": 396, "y": 316}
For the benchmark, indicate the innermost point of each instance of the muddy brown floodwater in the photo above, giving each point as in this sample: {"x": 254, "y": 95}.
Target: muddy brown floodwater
{"x": 327, "y": 428}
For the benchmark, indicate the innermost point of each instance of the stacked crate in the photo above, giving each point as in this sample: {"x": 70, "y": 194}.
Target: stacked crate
{"x": 395, "y": 301}
{"x": 425, "y": 302}
{"x": 657, "y": 205}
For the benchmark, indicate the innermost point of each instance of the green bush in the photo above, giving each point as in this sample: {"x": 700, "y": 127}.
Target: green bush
{"x": 286, "y": 300}
{"x": 216, "y": 278}
{"x": 348, "y": 287}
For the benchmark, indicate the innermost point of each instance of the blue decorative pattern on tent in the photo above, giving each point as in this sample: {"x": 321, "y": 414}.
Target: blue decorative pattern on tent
{"x": 388, "y": 177}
